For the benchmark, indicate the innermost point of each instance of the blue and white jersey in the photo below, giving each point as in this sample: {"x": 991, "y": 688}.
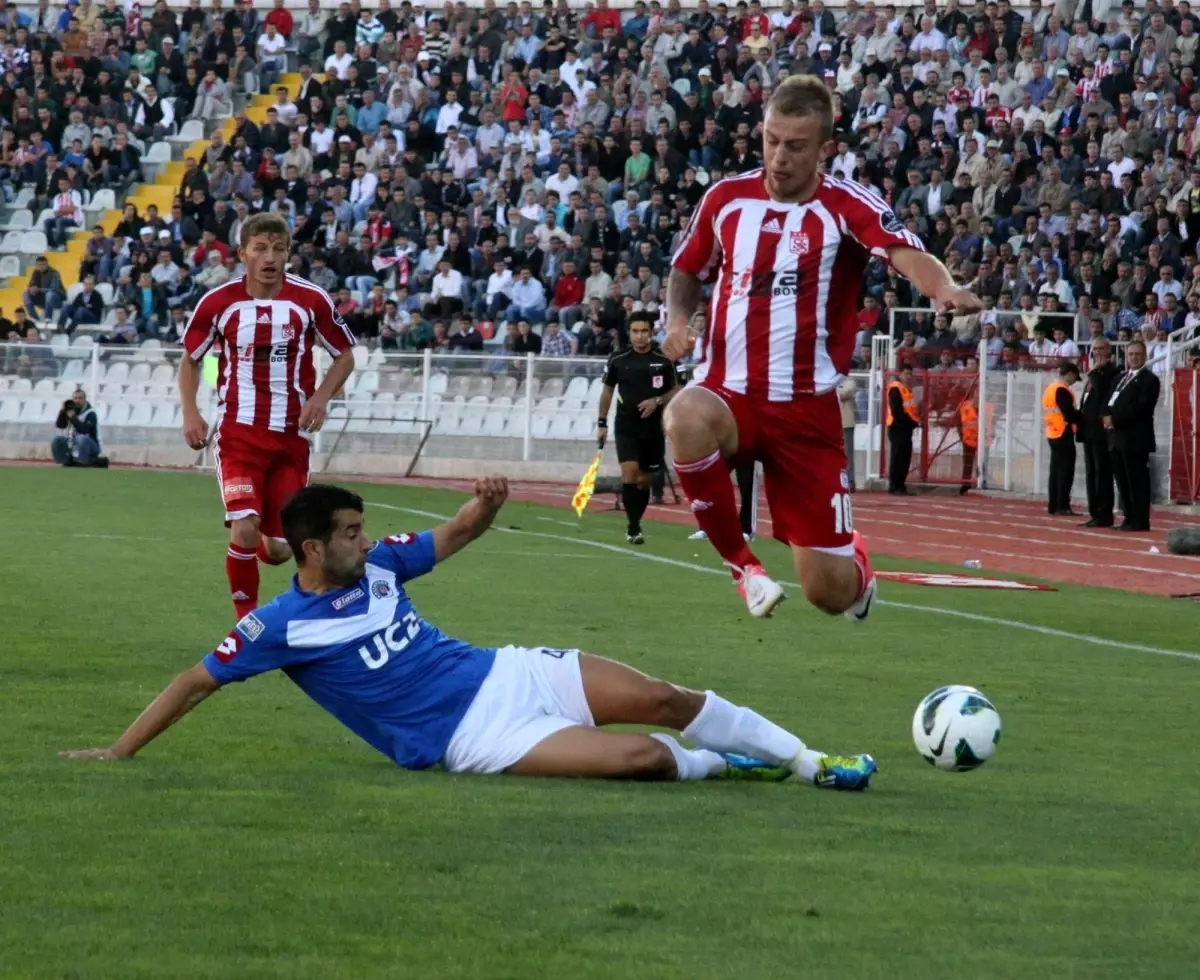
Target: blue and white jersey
{"x": 365, "y": 656}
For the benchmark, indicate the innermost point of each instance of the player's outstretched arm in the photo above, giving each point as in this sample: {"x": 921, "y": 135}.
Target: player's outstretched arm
{"x": 195, "y": 429}
{"x": 184, "y": 693}
{"x": 931, "y": 277}
{"x": 472, "y": 519}
{"x": 684, "y": 292}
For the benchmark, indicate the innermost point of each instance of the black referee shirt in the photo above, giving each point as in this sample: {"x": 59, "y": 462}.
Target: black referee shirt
{"x": 638, "y": 377}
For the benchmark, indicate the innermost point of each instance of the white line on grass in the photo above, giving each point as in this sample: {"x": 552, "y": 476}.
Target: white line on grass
{"x": 912, "y": 607}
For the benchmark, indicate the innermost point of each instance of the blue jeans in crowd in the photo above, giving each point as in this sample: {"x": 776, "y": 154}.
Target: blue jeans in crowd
{"x": 71, "y": 317}
{"x": 50, "y": 302}
{"x": 57, "y": 230}
{"x": 531, "y": 314}
{"x": 85, "y": 451}
{"x": 363, "y": 284}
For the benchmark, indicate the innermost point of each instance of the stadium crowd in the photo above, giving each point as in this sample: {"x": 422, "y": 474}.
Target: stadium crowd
{"x": 465, "y": 178}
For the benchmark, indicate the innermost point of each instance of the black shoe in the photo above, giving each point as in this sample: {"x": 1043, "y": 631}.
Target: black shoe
{"x": 902, "y": 493}
{"x": 962, "y": 491}
{"x": 1096, "y": 522}
{"x": 70, "y": 461}
{"x": 635, "y": 537}
{"x": 1136, "y": 528}
{"x": 658, "y": 501}
{"x": 100, "y": 462}
{"x": 1069, "y": 513}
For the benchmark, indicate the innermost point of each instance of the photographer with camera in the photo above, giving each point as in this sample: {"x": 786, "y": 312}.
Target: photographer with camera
{"x": 80, "y": 446}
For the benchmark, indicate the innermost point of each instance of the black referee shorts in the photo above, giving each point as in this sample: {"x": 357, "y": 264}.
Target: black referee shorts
{"x": 643, "y": 444}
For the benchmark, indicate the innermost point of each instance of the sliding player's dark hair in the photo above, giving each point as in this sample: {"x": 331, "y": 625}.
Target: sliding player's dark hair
{"x": 308, "y": 514}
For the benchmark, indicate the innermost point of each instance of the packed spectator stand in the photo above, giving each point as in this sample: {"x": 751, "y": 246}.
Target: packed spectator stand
{"x": 506, "y": 180}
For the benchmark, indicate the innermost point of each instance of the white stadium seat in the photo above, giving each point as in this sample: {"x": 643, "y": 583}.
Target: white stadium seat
{"x": 10, "y": 266}
{"x": 140, "y": 413}
{"x": 22, "y": 386}
{"x": 139, "y": 373}
{"x": 116, "y": 373}
{"x": 31, "y": 409}
{"x": 10, "y": 408}
{"x": 560, "y": 428}
{"x": 21, "y": 220}
{"x": 118, "y": 414}
{"x": 59, "y": 342}
{"x": 44, "y": 387}
{"x": 11, "y": 242}
{"x": 578, "y": 388}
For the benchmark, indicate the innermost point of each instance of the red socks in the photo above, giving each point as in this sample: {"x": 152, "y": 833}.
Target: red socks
{"x": 241, "y": 568}
{"x": 265, "y": 556}
{"x": 707, "y": 484}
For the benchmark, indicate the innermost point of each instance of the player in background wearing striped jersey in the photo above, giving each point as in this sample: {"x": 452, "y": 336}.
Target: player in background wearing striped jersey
{"x": 266, "y": 325}
{"x": 785, "y": 248}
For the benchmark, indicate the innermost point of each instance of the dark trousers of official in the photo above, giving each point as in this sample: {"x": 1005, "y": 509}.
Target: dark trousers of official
{"x": 969, "y": 454}
{"x": 1097, "y": 461}
{"x": 899, "y": 457}
{"x": 1062, "y": 473}
{"x": 746, "y": 490}
{"x": 1132, "y": 471}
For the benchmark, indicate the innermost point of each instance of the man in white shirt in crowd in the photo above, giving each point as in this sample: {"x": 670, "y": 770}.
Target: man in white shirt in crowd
{"x": 498, "y": 294}
{"x": 68, "y": 213}
{"x": 446, "y": 295}
{"x": 563, "y": 183}
{"x": 362, "y": 190}
{"x": 339, "y": 62}
{"x": 449, "y": 113}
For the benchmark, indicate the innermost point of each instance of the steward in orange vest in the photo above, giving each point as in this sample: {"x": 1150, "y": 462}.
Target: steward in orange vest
{"x": 903, "y": 418}
{"x": 1061, "y": 418}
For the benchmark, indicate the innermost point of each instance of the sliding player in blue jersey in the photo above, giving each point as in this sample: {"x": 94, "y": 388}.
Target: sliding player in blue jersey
{"x": 348, "y": 636}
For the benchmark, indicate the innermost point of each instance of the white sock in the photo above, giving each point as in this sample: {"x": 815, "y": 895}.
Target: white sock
{"x": 691, "y": 763}
{"x": 724, "y": 727}
{"x": 807, "y": 764}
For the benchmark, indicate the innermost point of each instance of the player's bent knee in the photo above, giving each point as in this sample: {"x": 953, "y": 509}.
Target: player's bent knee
{"x": 669, "y": 706}
{"x": 244, "y": 531}
{"x": 827, "y": 588}
{"x": 648, "y": 758}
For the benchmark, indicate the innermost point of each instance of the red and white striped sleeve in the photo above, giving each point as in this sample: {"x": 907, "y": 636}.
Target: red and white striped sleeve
{"x": 699, "y": 253}
{"x": 866, "y": 218}
{"x": 331, "y": 329}
{"x": 201, "y": 331}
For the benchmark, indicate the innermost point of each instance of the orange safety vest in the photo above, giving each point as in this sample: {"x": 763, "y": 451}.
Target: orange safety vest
{"x": 968, "y": 416}
{"x": 1056, "y": 425}
{"x": 910, "y": 405}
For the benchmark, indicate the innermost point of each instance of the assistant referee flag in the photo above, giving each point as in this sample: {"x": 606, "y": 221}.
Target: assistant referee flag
{"x": 587, "y": 486}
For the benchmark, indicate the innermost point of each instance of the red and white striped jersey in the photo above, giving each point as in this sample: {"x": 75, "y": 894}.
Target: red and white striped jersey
{"x": 266, "y": 372}
{"x": 784, "y": 309}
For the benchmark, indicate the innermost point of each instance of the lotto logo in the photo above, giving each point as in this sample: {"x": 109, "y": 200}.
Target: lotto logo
{"x": 228, "y": 648}
{"x": 235, "y": 489}
{"x": 343, "y": 601}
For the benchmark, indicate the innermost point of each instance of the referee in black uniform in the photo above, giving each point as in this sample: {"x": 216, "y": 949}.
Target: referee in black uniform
{"x": 646, "y": 381}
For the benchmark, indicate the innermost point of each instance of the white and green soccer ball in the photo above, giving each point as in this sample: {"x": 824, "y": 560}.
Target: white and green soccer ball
{"x": 956, "y": 728}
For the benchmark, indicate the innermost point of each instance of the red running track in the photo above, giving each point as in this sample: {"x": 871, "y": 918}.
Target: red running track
{"x": 1017, "y": 537}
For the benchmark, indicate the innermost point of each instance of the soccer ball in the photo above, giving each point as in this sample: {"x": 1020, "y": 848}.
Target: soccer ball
{"x": 956, "y": 728}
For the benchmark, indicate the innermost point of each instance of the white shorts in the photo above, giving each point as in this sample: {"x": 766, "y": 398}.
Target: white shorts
{"x": 529, "y": 694}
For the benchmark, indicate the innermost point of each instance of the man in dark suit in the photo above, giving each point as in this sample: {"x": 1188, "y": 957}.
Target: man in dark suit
{"x": 1097, "y": 460}
{"x": 1130, "y": 423}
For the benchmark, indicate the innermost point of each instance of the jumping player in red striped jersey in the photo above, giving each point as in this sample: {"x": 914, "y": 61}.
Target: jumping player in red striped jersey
{"x": 266, "y": 325}
{"x": 785, "y": 248}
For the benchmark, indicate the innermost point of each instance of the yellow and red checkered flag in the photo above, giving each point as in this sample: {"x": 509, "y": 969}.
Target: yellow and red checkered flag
{"x": 587, "y": 486}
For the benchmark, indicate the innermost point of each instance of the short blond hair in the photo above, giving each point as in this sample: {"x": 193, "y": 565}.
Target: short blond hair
{"x": 266, "y": 223}
{"x": 804, "y": 95}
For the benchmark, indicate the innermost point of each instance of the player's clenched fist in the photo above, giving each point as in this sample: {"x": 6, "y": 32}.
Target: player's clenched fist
{"x": 492, "y": 491}
{"x": 678, "y": 339}
{"x": 195, "y": 431}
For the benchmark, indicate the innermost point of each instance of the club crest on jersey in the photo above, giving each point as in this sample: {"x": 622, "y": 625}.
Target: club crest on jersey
{"x": 381, "y": 589}
{"x": 289, "y": 333}
{"x": 343, "y": 601}
{"x": 400, "y": 538}
{"x": 845, "y": 480}
{"x": 251, "y": 627}
{"x": 890, "y": 222}
{"x": 656, "y": 381}
{"x": 799, "y": 243}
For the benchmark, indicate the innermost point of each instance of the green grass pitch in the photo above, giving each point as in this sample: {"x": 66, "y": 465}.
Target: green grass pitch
{"x": 260, "y": 839}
